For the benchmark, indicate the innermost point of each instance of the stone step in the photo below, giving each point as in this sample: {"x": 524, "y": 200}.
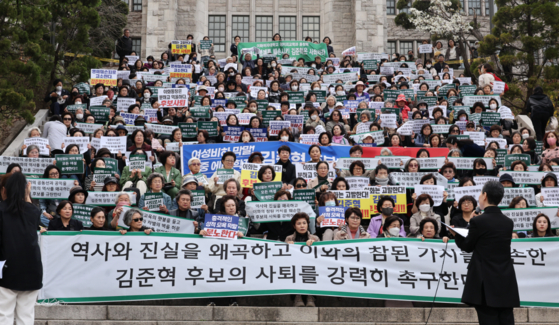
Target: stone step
{"x": 168, "y": 315}
{"x": 66, "y": 322}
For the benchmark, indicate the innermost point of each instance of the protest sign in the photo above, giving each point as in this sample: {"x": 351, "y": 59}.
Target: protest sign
{"x": 82, "y": 212}
{"x": 397, "y": 193}
{"x": 528, "y": 178}
{"x": 88, "y": 128}
{"x": 524, "y": 218}
{"x": 477, "y": 137}
{"x": 309, "y": 139}
{"x": 81, "y": 142}
{"x": 363, "y": 127}
{"x": 29, "y": 166}
{"x": 114, "y": 144}
{"x": 249, "y": 173}
{"x": 50, "y": 188}
{"x": 277, "y": 126}
{"x": 525, "y": 192}
{"x": 224, "y": 174}
{"x": 333, "y": 216}
{"x": 153, "y": 201}
{"x": 471, "y": 100}
{"x": 70, "y": 164}
{"x": 42, "y": 143}
{"x": 259, "y": 134}
{"x": 188, "y": 130}
{"x": 161, "y": 223}
{"x": 107, "y": 199}
{"x": 509, "y": 159}
{"x": 72, "y": 108}
{"x": 181, "y": 47}
{"x": 244, "y": 118}
{"x": 129, "y": 118}
{"x": 221, "y": 226}
{"x": 266, "y": 191}
{"x": 498, "y": 87}
{"x": 210, "y": 127}
{"x": 122, "y": 104}
{"x": 161, "y": 128}
{"x": 232, "y": 133}
{"x": 355, "y": 198}
{"x": 378, "y": 137}
{"x": 440, "y": 128}
{"x": 105, "y": 77}
{"x": 173, "y": 146}
{"x": 99, "y": 176}
{"x": 137, "y": 162}
{"x": 490, "y": 119}
{"x": 369, "y": 163}
{"x": 388, "y": 120}
{"x": 465, "y": 163}
{"x": 357, "y": 183}
{"x": 550, "y": 196}
{"x": 295, "y": 49}
{"x": 393, "y": 162}
{"x": 198, "y": 199}
{"x": 425, "y": 48}
{"x": 412, "y": 179}
{"x": 435, "y": 191}
{"x": 481, "y": 180}
{"x": 474, "y": 191}
{"x": 431, "y": 163}
{"x": 100, "y": 113}
{"x": 308, "y": 196}
{"x": 406, "y": 128}
{"x": 296, "y": 121}
{"x": 184, "y": 72}
{"x": 269, "y": 116}
{"x": 273, "y": 211}
{"x": 173, "y": 97}
{"x": 308, "y": 171}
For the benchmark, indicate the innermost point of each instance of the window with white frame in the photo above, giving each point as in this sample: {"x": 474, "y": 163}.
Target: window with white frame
{"x": 216, "y": 32}
{"x": 288, "y": 28}
{"x": 311, "y": 28}
{"x": 264, "y": 28}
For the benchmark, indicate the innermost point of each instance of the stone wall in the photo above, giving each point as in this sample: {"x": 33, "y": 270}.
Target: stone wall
{"x": 338, "y": 23}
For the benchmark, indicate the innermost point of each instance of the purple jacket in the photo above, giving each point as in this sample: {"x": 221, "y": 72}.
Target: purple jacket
{"x": 376, "y": 225}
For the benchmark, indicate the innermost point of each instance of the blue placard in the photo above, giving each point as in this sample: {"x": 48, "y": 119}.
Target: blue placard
{"x": 221, "y": 226}
{"x": 333, "y": 216}
{"x": 259, "y": 134}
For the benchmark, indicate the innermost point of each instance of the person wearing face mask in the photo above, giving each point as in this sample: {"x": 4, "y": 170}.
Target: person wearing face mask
{"x": 379, "y": 224}
{"x": 391, "y": 228}
{"x": 380, "y": 176}
{"x": 58, "y": 98}
{"x": 491, "y": 280}
{"x": 480, "y": 168}
{"x": 424, "y": 203}
{"x": 327, "y": 199}
{"x": 314, "y": 119}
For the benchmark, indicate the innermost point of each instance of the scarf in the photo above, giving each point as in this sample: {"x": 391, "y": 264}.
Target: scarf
{"x": 301, "y": 238}
{"x": 338, "y": 138}
{"x": 360, "y": 230}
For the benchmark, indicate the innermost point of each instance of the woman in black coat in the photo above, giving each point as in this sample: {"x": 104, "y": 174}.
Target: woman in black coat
{"x": 22, "y": 274}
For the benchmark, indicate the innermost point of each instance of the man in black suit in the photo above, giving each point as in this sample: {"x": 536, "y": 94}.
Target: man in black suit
{"x": 124, "y": 46}
{"x": 491, "y": 281}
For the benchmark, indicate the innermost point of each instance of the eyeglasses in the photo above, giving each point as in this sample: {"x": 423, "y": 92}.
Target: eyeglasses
{"x": 54, "y": 174}
{"x": 229, "y": 161}
{"x": 138, "y": 219}
{"x": 300, "y": 185}
{"x": 196, "y": 164}
{"x": 67, "y": 119}
{"x": 448, "y": 171}
{"x": 413, "y": 165}
{"x": 354, "y": 218}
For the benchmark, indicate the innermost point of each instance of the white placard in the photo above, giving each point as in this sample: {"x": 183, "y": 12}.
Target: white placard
{"x": 435, "y": 191}
{"x": 160, "y": 222}
{"x": 82, "y": 143}
{"x": 425, "y": 48}
{"x": 388, "y": 120}
{"x": 42, "y": 143}
{"x": 474, "y": 191}
{"x": 114, "y": 144}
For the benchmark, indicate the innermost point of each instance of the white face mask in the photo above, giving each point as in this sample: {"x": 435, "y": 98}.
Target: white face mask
{"x": 79, "y": 116}
{"x": 463, "y": 118}
{"x": 340, "y": 92}
{"x": 313, "y": 65}
{"x": 220, "y": 89}
{"x": 232, "y": 74}
{"x": 394, "y": 232}
{"x": 424, "y": 207}
{"x": 313, "y": 117}
{"x": 284, "y": 138}
{"x": 525, "y": 135}
{"x": 493, "y": 106}
{"x": 273, "y": 65}
{"x": 58, "y": 88}
{"x": 246, "y": 139}
{"x": 77, "y": 103}
{"x": 316, "y": 88}
{"x": 294, "y": 88}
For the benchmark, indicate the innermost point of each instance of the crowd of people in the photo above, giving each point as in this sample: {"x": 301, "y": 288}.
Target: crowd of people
{"x": 342, "y": 113}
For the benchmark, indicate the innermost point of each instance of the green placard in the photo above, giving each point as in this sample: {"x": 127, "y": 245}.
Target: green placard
{"x": 430, "y": 100}
{"x": 155, "y": 90}
{"x": 211, "y": 127}
{"x": 462, "y": 137}
{"x": 308, "y": 196}
{"x": 239, "y": 100}
{"x": 70, "y": 164}
{"x": 188, "y": 130}
{"x": 340, "y": 98}
{"x": 145, "y": 106}
{"x": 370, "y": 110}
{"x": 539, "y": 148}
{"x": 82, "y": 212}
{"x": 393, "y": 94}
{"x": 445, "y": 88}
{"x": 200, "y": 111}
{"x": 296, "y": 97}
{"x": 370, "y": 64}
{"x": 153, "y": 201}
{"x": 224, "y": 174}
{"x": 320, "y": 95}
{"x": 266, "y": 191}
{"x": 391, "y": 110}
{"x": 101, "y": 113}
{"x": 83, "y": 88}
{"x": 490, "y": 119}
{"x": 500, "y": 159}
{"x": 325, "y": 182}
{"x": 509, "y": 159}
{"x": 197, "y": 100}
{"x": 268, "y": 116}
{"x": 72, "y": 108}
{"x": 205, "y": 44}
{"x": 420, "y": 93}
{"x": 262, "y": 104}
{"x": 100, "y": 174}
{"x": 467, "y": 90}
{"x": 243, "y": 225}
{"x": 111, "y": 164}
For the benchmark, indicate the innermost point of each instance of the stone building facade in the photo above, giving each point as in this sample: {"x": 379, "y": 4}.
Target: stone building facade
{"x": 367, "y": 24}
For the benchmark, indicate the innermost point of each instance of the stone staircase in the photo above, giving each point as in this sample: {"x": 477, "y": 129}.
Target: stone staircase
{"x": 194, "y": 315}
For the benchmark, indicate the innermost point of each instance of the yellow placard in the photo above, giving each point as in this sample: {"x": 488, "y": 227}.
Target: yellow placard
{"x": 400, "y": 199}
{"x": 180, "y": 47}
{"x": 249, "y": 177}
{"x": 105, "y": 82}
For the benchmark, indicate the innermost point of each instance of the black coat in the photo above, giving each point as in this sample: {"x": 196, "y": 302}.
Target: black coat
{"x": 288, "y": 174}
{"x": 491, "y": 270}
{"x": 73, "y": 225}
{"x": 124, "y": 46}
{"x": 19, "y": 247}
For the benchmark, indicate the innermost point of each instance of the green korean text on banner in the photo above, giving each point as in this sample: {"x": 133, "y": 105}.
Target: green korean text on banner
{"x": 82, "y": 212}
{"x": 153, "y": 201}
{"x": 70, "y": 164}
{"x": 490, "y": 118}
{"x": 224, "y": 174}
{"x": 308, "y": 196}
{"x": 210, "y": 127}
{"x": 296, "y": 49}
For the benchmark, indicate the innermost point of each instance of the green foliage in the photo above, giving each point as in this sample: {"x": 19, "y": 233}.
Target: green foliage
{"x": 526, "y": 32}
{"x": 113, "y": 16}
{"x": 402, "y": 19}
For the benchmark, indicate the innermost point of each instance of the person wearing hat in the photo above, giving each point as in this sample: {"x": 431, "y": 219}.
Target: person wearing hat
{"x": 466, "y": 146}
{"x": 78, "y": 195}
{"x": 190, "y": 183}
{"x": 360, "y": 91}
{"x": 194, "y": 165}
{"x": 119, "y": 120}
{"x": 110, "y": 184}
{"x": 121, "y": 130}
{"x": 167, "y": 120}
{"x": 231, "y": 104}
{"x": 549, "y": 180}
{"x": 139, "y": 121}
{"x": 402, "y": 104}
{"x": 461, "y": 115}
{"x": 202, "y": 91}
{"x": 184, "y": 210}
{"x": 507, "y": 181}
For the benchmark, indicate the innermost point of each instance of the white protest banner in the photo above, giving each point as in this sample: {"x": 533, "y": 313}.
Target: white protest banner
{"x": 107, "y": 199}
{"x": 412, "y": 179}
{"x": 369, "y": 163}
{"x": 425, "y": 48}
{"x": 344, "y": 77}
{"x": 471, "y": 100}
{"x": 450, "y": 190}
{"x": 172, "y": 146}
{"x": 309, "y": 139}
{"x": 114, "y": 144}
{"x": 161, "y": 128}
{"x": 273, "y": 211}
{"x": 350, "y": 51}
{"x": 435, "y": 191}
{"x": 418, "y": 124}
{"x": 88, "y": 128}
{"x": 96, "y": 143}
{"x": 431, "y": 163}
{"x": 357, "y": 183}
{"x": 500, "y": 141}
{"x": 506, "y": 113}
{"x": 481, "y": 180}
{"x": 129, "y": 118}
{"x": 333, "y": 216}
{"x": 440, "y": 128}
{"x": 388, "y": 120}
{"x": 524, "y": 218}
{"x": 364, "y": 127}
{"x": 244, "y": 118}
{"x": 255, "y": 90}
{"x": 477, "y": 137}
{"x": 50, "y": 188}
{"x": 498, "y": 87}
{"x": 550, "y": 196}
{"x": 191, "y": 273}
{"x": 30, "y": 166}
{"x": 465, "y": 80}
{"x": 474, "y": 191}
{"x": 173, "y": 97}
{"x": 129, "y": 128}
{"x": 122, "y": 103}
{"x": 525, "y": 192}
{"x": 81, "y": 142}
{"x": 105, "y": 77}
{"x": 297, "y": 121}
{"x": 97, "y": 100}
{"x": 277, "y": 126}
{"x": 393, "y": 161}
{"x": 308, "y": 171}
{"x": 464, "y": 163}
{"x": 528, "y": 178}
{"x": 319, "y": 129}
{"x": 132, "y": 59}
{"x": 406, "y": 129}
{"x": 432, "y": 108}
{"x": 160, "y": 222}
{"x": 385, "y": 70}
{"x": 42, "y": 143}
